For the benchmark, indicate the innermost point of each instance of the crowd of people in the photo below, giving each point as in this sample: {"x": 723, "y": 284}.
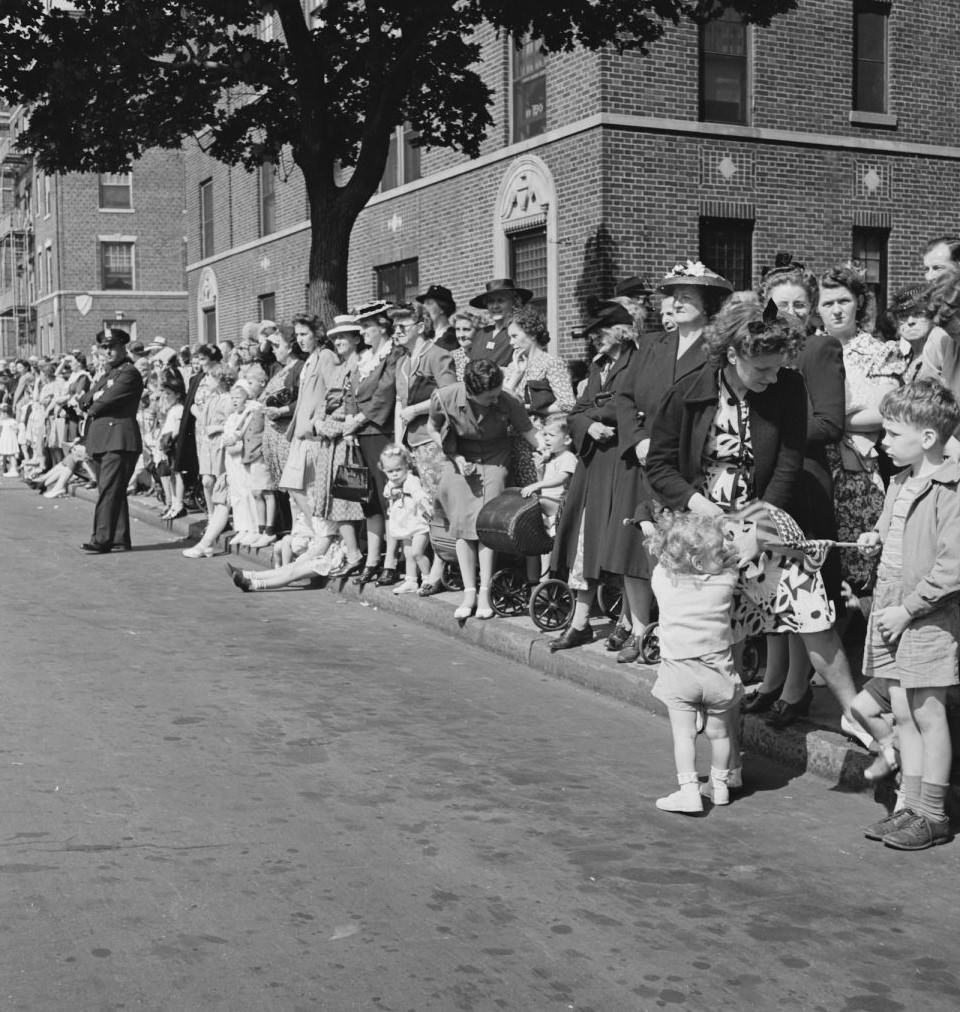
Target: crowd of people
{"x": 789, "y": 456}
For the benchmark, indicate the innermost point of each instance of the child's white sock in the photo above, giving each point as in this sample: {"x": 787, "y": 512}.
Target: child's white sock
{"x": 719, "y": 786}
{"x": 687, "y": 799}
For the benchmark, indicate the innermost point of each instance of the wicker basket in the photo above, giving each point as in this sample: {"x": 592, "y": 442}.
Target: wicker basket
{"x": 510, "y": 523}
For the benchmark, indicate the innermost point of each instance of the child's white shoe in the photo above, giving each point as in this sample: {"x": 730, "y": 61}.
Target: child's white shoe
{"x": 735, "y": 778}
{"x": 406, "y": 587}
{"x": 717, "y": 788}
{"x": 687, "y": 799}
{"x": 197, "y": 552}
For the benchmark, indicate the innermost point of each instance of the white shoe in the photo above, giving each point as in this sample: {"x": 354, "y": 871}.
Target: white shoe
{"x": 406, "y": 587}
{"x": 735, "y": 778}
{"x": 263, "y": 541}
{"x": 197, "y": 552}
{"x": 11, "y": 474}
{"x": 686, "y": 800}
{"x": 718, "y": 791}
{"x": 853, "y": 730}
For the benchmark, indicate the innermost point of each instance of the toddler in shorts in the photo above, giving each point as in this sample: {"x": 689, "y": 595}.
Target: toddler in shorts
{"x": 694, "y": 580}
{"x": 559, "y": 464}
{"x": 914, "y": 624}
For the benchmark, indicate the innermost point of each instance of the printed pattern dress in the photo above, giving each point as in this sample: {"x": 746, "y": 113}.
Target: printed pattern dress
{"x": 775, "y": 592}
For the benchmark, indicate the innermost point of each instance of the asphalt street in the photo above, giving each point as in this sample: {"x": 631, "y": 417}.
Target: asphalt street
{"x": 289, "y": 801}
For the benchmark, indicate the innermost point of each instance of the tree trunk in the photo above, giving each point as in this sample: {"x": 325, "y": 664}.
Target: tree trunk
{"x": 330, "y": 228}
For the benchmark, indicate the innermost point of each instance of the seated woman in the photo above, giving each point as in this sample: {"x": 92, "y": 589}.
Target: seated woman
{"x": 471, "y": 421}
{"x": 734, "y": 432}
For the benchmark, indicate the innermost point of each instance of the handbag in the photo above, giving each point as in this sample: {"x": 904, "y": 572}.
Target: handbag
{"x": 351, "y": 480}
{"x": 539, "y": 396}
{"x": 279, "y": 398}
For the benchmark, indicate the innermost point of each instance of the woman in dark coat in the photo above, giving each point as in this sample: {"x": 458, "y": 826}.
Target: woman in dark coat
{"x": 590, "y": 530}
{"x": 733, "y": 432}
{"x": 664, "y": 359}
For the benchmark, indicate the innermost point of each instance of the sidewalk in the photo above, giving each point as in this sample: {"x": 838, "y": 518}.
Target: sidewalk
{"x": 813, "y": 745}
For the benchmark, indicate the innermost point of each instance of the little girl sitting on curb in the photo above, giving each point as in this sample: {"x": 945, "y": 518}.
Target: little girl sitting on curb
{"x": 407, "y": 512}
{"x": 694, "y": 580}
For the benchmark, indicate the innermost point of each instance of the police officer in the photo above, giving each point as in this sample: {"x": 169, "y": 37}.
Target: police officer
{"x": 112, "y": 440}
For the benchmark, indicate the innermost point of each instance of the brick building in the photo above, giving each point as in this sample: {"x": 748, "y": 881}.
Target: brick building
{"x": 825, "y": 135}
{"x": 80, "y": 250}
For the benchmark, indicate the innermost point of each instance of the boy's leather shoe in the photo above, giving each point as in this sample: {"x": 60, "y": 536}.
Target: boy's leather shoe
{"x": 572, "y": 638}
{"x": 94, "y": 548}
{"x": 919, "y": 834}
{"x": 893, "y": 822}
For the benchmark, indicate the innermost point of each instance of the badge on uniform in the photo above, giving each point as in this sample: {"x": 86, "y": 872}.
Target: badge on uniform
{"x": 110, "y": 382}
{"x": 491, "y": 345}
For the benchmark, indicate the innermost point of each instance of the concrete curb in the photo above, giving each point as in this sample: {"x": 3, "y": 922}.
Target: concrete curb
{"x": 814, "y": 745}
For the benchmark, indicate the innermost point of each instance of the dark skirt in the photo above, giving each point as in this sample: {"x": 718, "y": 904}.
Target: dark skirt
{"x": 371, "y": 446}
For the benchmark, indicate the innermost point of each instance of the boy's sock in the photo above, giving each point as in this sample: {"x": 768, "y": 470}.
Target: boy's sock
{"x": 932, "y": 798}
{"x": 910, "y": 785}
{"x": 719, "y": 784}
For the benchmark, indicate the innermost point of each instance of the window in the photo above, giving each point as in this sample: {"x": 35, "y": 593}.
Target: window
{"x": 528, "y": 264}
{"x": 870, "y": 250}
{"x": 267, "y": 307}
{"x": 127, "y": 326}
{"x": 206, "y": 219}
{"x": 210, "y": 325}
{"x": 46, "y": 194}
{"x": 48, "y": 257}
{"x": 116, "y": 265}
{"x": 724, "y": 69}
{"x": 268, "y": 199}
{"x": 529, "y": 90}
{"x": 726, "y": 246}
{"x": 398, "y": 282}
{"x": 403, "y": 159}
{"x": 115, "y": 191}
{"x": 870, "y": 56}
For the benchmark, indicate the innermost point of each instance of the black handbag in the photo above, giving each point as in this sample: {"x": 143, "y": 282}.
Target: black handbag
{"x": 279, "y": 398}
{"x": 351, "y": 480}
{"x": 539, "y": 397}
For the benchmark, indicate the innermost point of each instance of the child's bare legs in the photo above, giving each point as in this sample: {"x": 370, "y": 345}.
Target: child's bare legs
{"x": 282, "y": 553}
{"x": 830, "y": 661}
{"x": 208, "y": 481}
{"x": 928, "y": 707}
{"x": 416, "y": 562}
{"x": 683, "y": 726}
{"x": 271, "y": 579}
{"x": 167, "y": 485}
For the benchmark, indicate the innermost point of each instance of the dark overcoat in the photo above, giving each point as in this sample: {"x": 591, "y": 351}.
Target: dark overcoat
{"x": 111, "y": 424}
{"x": 602, "y": 491}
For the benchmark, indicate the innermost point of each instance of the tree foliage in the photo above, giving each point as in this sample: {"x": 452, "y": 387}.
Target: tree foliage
{"x": 107, "y": 79}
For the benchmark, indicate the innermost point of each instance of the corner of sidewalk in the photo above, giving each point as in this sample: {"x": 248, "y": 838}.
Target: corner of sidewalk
{"x": 814, "y": 745}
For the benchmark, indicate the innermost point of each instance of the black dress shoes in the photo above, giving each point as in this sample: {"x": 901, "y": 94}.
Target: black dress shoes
{"x": 367, "y": 575}
{"x": 347, "y": 569}
{"x": 93, "y": 548}
{"x": 572, "y": 638}
{"x": 617, "y": 639}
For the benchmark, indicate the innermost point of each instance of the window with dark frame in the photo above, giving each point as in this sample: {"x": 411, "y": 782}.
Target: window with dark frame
{"x": 726, "y": 246}
{"x": 529, "y": 90}
{"x": 210, "y": 325}
{"x": 870, "y": 251}
{"x": 724, "y": 69}
{"x": 870, "y": 56}
{"x": 398, "y": 282}
{"x": 206, "y": 219}
{"x": 268, "y": 198}
{"x": 267, "y": 306}
{"x": 116, "y": 266}
{"x": 115, "y": 190}
{"x": 528, "y": 264}
{"x": 403, "y": 159}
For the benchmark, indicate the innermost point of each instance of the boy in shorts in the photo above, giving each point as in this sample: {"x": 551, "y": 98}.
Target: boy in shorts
{"x": 914, "y": 624}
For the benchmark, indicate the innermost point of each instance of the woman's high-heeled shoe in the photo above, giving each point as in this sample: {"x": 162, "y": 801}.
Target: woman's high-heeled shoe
{"x": 197, "y": 552}
{"x": 760, "y": 702}
{"x": 783, "y": 714}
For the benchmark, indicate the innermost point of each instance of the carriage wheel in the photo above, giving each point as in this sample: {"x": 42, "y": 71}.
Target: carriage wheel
{"x": 610, "y": 600}
{"x": 551, "y": 605}
{"x": 450, "y": 577}
{"x": 509, "y": 593}
{"x": 650, "y": 644}
{"x": 754, "y": 659}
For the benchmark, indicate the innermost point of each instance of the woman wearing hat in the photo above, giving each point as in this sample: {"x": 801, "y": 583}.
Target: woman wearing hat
{"x": 501, "y": 299}
{"x": 437, "y": 300}
{"x": 371, "y": 401}
{"x": 590, "y": 535}
{"x": 697, "y": 293}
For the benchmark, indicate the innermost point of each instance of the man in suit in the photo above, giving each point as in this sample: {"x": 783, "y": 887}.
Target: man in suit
{"x": 112, "y": 441}
{"x": 501, "y": 298}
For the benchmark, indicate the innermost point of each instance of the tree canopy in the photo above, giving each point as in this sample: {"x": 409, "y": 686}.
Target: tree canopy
{"x": 107, "y": 79}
